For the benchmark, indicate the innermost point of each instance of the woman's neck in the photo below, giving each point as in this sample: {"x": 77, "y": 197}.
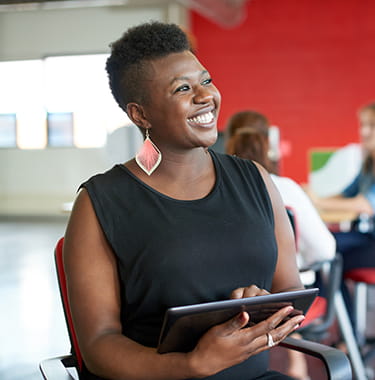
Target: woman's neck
{"x": 184, "y": 177}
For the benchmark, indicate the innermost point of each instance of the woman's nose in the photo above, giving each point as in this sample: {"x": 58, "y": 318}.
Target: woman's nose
{"x": 203, "y": 95}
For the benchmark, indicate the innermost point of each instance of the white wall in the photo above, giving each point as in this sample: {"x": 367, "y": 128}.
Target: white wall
{"x": 36, "y": 34}
{"x": 39, "y": 181}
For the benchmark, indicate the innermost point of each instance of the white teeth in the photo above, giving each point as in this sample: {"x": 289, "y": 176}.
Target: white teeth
{"x": 202, "y": 119}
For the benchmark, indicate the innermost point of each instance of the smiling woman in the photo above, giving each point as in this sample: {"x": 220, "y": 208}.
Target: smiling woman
{"x": 176, "y": 225}
{"x": 181, "y": 114}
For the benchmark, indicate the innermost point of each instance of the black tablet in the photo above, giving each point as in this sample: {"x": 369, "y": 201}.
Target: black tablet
{"x": 184, "y": 325}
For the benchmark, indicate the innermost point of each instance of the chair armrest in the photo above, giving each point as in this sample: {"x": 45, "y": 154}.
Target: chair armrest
{"x": 55, "y": 369}
{"x": 316, "y": 265}
{"x": 335, "y": 361}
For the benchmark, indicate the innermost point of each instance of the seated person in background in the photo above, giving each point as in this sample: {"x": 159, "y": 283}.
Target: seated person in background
{"x": 357, "y": 246}
{"x": 176, "y": 225}
{"x": 359, "y": 196}
{"x": 315, "y": 242}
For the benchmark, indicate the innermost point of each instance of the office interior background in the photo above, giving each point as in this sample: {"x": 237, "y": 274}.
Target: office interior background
{"x": 306, "y": 64}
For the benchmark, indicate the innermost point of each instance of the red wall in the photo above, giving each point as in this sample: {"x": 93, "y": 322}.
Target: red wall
{"x": 306, "y": 64}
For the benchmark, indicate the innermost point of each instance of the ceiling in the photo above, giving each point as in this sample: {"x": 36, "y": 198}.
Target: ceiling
{"x": 227, "y": 13}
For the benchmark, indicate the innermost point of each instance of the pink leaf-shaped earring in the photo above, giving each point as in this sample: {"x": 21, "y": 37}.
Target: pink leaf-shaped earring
{"x": 149, "y": 156}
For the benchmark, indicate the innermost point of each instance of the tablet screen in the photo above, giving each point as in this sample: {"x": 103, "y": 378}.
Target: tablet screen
{"x": 184, "y": 325}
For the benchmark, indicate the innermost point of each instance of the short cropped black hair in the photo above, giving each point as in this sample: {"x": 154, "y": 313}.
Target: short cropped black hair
{"x": 126, "y": 65}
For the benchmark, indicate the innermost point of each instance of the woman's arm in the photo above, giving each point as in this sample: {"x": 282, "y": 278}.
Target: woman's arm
{"x": 357, "y": 204}
{"x": 94, "y": 296}
{"x": 350, "y": 200}
{"x": 286, "y": 275}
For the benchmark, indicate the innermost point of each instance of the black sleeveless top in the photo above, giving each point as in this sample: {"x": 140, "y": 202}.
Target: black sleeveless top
{"x": 174, "y": 252}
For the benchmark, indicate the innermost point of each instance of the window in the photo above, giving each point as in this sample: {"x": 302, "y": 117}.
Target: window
{"x": 57, "y": 102}
{"x": 21, "y": 94}
{"x": 60, "y": 129}
{"x": 79, "y": 84}
{"x": 8, "y": 132}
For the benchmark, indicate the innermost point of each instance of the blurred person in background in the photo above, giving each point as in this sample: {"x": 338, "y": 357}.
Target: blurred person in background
{"x": 260, "y": 122}
{"x": 357, "y": 246}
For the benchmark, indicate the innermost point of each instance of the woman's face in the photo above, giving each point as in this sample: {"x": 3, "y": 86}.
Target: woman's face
{"x": 183, "y": 104}
{"x": 367, "y": 129}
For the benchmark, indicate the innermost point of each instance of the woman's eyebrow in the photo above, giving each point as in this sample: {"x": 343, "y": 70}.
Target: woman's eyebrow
{"x": 177, "y": 79}
{"x": 182, "y": 78}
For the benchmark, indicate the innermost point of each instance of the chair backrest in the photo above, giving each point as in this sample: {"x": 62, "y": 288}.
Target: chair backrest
{"x": 64, "y": 298}
{"x": 293, "y": 221}
{"x": 331, "y": 274}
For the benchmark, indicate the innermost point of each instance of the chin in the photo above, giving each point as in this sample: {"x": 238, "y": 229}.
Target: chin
{"x": 207, "y": 144}
{"x": 206, "y": 139}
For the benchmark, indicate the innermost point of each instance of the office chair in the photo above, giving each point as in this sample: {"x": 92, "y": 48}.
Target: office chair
{"x": 68, "y": 367}
{"x": 362, "y": 279}
{"x": 323, "y": 313}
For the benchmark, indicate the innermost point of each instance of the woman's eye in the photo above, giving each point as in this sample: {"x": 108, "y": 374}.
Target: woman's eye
{"x": 185, "y": 87}
{"x": 207, "y": 81}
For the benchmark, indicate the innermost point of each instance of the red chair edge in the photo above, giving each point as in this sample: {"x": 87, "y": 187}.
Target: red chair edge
{"x": 316, "y": 310}
{"x": 366, "y": 275}
{"x": 65, "y": 301}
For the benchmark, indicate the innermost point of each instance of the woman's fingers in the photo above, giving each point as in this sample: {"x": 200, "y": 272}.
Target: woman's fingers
{"x": 231, "y": 342}
{"x": 249, "y": 291}
{"x": 287, "y": 327}
{"x": 273, "y": 330}
{"x": 236, "y": 323}
{"x": 230, "y": 327}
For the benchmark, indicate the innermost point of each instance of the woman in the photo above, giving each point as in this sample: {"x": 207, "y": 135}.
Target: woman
{"x": 249, "y": 140}
{"x": 357, "y": 246}
{"x": 260, "y": 123}
{"x": 163, "y": 229}
{"x": 358, "y": 197}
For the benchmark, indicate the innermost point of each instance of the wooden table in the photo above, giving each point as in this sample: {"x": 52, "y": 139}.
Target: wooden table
{"x": 338, "y": 221}
{"x": 337, "y": 216}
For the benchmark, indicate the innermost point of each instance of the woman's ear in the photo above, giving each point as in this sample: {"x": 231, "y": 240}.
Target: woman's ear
{"x": 136, "y": 115}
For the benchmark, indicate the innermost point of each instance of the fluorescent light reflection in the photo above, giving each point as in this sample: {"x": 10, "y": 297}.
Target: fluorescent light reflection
{"x": 79, "y": 84}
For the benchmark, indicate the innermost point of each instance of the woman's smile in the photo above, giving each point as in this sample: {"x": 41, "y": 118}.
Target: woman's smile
{"x": 205, "y": 120}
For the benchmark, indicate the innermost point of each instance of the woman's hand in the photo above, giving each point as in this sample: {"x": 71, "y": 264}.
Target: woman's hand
{"x": 231, "y": 343}
{"x": 249, "y": 291}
